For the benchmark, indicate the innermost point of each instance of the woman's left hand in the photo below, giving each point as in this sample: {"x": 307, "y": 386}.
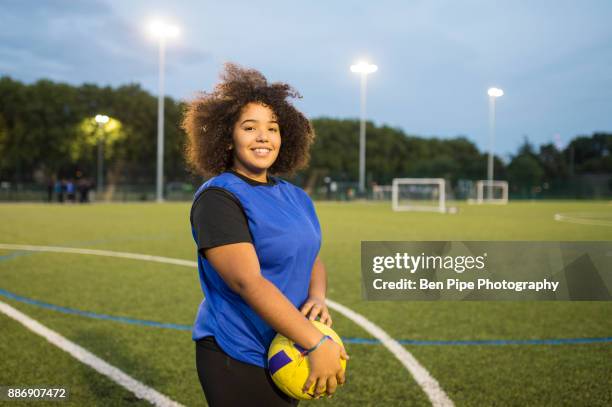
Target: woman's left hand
{"x": 314, "y": 307}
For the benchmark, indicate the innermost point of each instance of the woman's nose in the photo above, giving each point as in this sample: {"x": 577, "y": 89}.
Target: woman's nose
{"x": 262, "y": 136}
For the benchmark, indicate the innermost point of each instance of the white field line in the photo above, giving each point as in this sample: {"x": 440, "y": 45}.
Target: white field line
{"x": 139, "y": 389}
{"x": 107, "y": 253}
{"x": 576, "y": 218}
{"x": 430, "y": 386}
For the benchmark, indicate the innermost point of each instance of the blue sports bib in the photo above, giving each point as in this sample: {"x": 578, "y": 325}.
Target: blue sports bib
{"x": 287, "y": 238}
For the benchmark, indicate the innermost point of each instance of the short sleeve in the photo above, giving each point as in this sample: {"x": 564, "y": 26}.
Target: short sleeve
{"x": 218, "y": 219}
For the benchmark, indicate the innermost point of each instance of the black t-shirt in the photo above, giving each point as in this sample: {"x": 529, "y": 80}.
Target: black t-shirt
{"x": 218, "y": 216}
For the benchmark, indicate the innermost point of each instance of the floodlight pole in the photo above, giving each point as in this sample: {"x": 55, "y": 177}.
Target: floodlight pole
{"x": 493, "y": 93}
{"x": 101, "y": 120}
{"x": 162, "y": 31}
{"x": 362, "y": 132}
{"x": 100, "y": 165}
{"x": 491, "y": 142}
{"x": 160, "y": 121}
{"x": 363, "y": 68}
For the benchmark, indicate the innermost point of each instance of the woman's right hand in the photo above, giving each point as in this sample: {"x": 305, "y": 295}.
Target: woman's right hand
{"x": 325, "y": 368}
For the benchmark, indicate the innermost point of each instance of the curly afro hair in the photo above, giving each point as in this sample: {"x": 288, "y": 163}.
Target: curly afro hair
{"x": 210, "y": 118}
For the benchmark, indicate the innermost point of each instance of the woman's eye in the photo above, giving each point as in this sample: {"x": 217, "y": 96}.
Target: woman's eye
{"x": 249, "y": 128}
{"x": 273, "y": 129}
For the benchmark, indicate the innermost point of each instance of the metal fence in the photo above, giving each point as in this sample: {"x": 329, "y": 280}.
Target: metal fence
{"x": 586, "y": 187}
{"x": 119, "y": 193}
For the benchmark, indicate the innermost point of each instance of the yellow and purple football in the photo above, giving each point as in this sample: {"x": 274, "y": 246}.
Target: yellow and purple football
{"x": 290, "y": 369}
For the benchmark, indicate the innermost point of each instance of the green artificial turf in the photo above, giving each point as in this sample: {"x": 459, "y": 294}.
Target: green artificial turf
{"x": 578, "y": 374}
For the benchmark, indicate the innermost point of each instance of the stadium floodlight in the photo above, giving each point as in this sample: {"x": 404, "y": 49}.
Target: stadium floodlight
{"x": 419, "y": 194}
{"x": 497, "y": 198}
{"x": 494, "y": 93}
{"x": 362, "y": 68}
{"x": 161, "y": 31}
{"x": 101, "y": 119}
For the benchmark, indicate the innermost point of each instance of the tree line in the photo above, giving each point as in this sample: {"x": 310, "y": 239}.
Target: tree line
{"x": 47, "y": 129}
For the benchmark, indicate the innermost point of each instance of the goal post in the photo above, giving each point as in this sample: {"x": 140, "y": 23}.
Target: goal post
{"x": 498, "y": 192}
{"x": 419, "y": 194}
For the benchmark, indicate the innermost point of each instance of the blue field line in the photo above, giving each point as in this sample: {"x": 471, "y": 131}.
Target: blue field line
{"x": 13, "y": 255}
{"x": 89, "y": 314}
{"x": 357, "y": 341}
{"x": 485, "y": 342}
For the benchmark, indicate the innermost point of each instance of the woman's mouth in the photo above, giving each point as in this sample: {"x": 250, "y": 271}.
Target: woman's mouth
{"x": 261, "y": 151}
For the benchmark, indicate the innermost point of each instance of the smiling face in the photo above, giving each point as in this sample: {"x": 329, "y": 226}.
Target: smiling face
{"x": 257, "y": 141}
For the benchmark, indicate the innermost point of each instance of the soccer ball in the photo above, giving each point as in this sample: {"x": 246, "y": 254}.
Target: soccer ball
{"x": 289, "y": 369}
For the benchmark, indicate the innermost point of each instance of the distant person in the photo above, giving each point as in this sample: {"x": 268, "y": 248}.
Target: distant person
{"x": 258, "y": 240}
{"x": 70, "y": 191}
{"x": 59, "y": 191}
{"x": 83, "y": 186}
{"x": 350, "y": 194}
{"x": 93, "y": 186}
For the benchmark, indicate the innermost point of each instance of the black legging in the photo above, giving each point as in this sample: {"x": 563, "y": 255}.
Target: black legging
{"x": 229, "y": 382}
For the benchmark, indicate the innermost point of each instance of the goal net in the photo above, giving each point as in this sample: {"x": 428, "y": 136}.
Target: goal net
{"x": 492, "y": 192}
{"x": 419, "y": 194}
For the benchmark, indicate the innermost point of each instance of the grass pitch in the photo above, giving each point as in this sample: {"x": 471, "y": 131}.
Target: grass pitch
{"x": 579, "y": 374}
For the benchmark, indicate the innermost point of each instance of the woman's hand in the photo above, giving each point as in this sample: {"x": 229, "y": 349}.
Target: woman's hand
{"x": 325, "y": 368}
{"x": 314, "y": 307}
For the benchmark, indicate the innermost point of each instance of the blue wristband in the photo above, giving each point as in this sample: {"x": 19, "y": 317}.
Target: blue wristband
{"x": 323, "y": 339}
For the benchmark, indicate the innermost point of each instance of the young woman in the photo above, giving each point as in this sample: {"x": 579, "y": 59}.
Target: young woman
{"x": 258, "y": 239}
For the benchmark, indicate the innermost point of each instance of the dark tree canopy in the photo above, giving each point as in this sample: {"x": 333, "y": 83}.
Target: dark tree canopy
{"x": 39, "y": 127}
